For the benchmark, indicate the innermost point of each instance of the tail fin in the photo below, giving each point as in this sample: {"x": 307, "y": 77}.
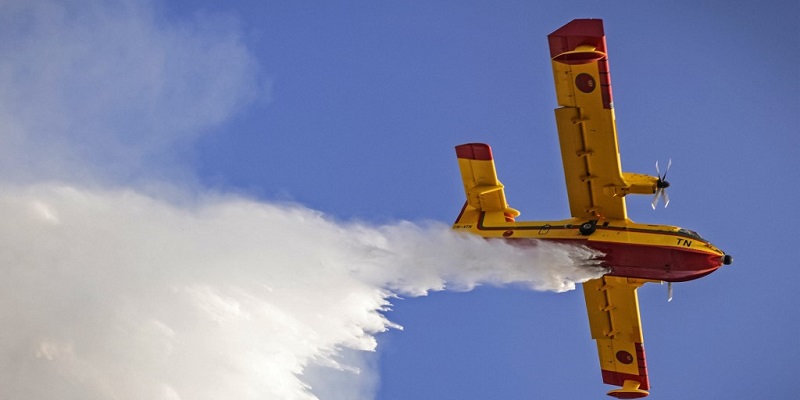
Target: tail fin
{"x": 484, "y": 192}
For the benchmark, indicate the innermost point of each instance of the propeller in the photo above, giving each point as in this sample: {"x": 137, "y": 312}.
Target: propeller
{"x": 661, "y": 186}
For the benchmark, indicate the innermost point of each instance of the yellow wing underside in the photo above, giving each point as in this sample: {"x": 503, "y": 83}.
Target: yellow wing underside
{"x": 596, "y": 187}
{"x": 587, "y": 132}
{"x": 589, "y": 149}
{"x": 613, "y": 308}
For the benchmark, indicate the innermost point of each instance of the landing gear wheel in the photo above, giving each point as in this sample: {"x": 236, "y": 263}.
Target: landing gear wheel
{"x": 587, "y": 228}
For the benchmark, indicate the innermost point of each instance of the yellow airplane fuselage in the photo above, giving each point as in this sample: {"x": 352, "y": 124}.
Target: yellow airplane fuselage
{"x": 643, "y": 251}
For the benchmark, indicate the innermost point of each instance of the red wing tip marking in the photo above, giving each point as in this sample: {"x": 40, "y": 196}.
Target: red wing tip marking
{"x": 576, "y": 33}
{"x": 619, "y": 378}
{"x": 627, "y": 395}
{"x": 581, "y": 28}
{"x": 579, "y": 57}
{"x": 474, "y": 151}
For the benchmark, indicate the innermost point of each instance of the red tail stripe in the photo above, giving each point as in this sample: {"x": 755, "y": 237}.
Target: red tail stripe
{"x": 474, "y": 151}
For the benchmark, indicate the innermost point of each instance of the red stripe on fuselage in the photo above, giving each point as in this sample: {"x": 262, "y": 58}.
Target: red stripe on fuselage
{"x": 663, "y": 263}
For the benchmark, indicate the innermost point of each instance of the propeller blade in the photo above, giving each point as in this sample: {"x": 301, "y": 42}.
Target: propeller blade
{"x": 658, "y": 171}
{"x": 665, "y": 197}
{"x": 659, "y": 192}
{"x": 669, "y": 164}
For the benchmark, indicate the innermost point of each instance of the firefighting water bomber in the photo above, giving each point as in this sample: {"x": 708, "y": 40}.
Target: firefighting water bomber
{"x": 634, "y": 253}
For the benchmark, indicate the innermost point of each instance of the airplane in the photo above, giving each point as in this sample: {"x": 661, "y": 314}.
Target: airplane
{"x": 634, "y": 253}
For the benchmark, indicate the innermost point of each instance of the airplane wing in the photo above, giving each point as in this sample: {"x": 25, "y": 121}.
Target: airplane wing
{"x": 484, "y": 191}
{"x": 613, "y": 308}
{"x": 586, "y": 125}
{"x": 596, "y": 187}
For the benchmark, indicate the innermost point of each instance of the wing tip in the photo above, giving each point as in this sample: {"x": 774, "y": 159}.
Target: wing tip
{"x": 576, "y": 33}
{"x": 474, "y": 151}
{"x": 581, "y": 27}
{"x": 619, "y": 378}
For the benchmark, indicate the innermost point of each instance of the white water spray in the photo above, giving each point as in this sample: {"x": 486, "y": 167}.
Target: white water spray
{"x": 113, "y": 294}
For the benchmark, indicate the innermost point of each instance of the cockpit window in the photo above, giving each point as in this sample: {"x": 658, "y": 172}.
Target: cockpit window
{"x": 690, "y": 233}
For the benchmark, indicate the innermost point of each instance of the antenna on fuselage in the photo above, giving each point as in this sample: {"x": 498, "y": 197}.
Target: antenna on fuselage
{"x": 669, "y": 291}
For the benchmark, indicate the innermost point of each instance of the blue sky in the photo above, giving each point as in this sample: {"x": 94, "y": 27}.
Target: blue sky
{"x": 353, "y": 108}
{"x": 369, "y": 98}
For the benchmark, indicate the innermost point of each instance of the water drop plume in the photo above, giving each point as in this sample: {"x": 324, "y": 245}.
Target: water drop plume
{"x": 111, "y": 293}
